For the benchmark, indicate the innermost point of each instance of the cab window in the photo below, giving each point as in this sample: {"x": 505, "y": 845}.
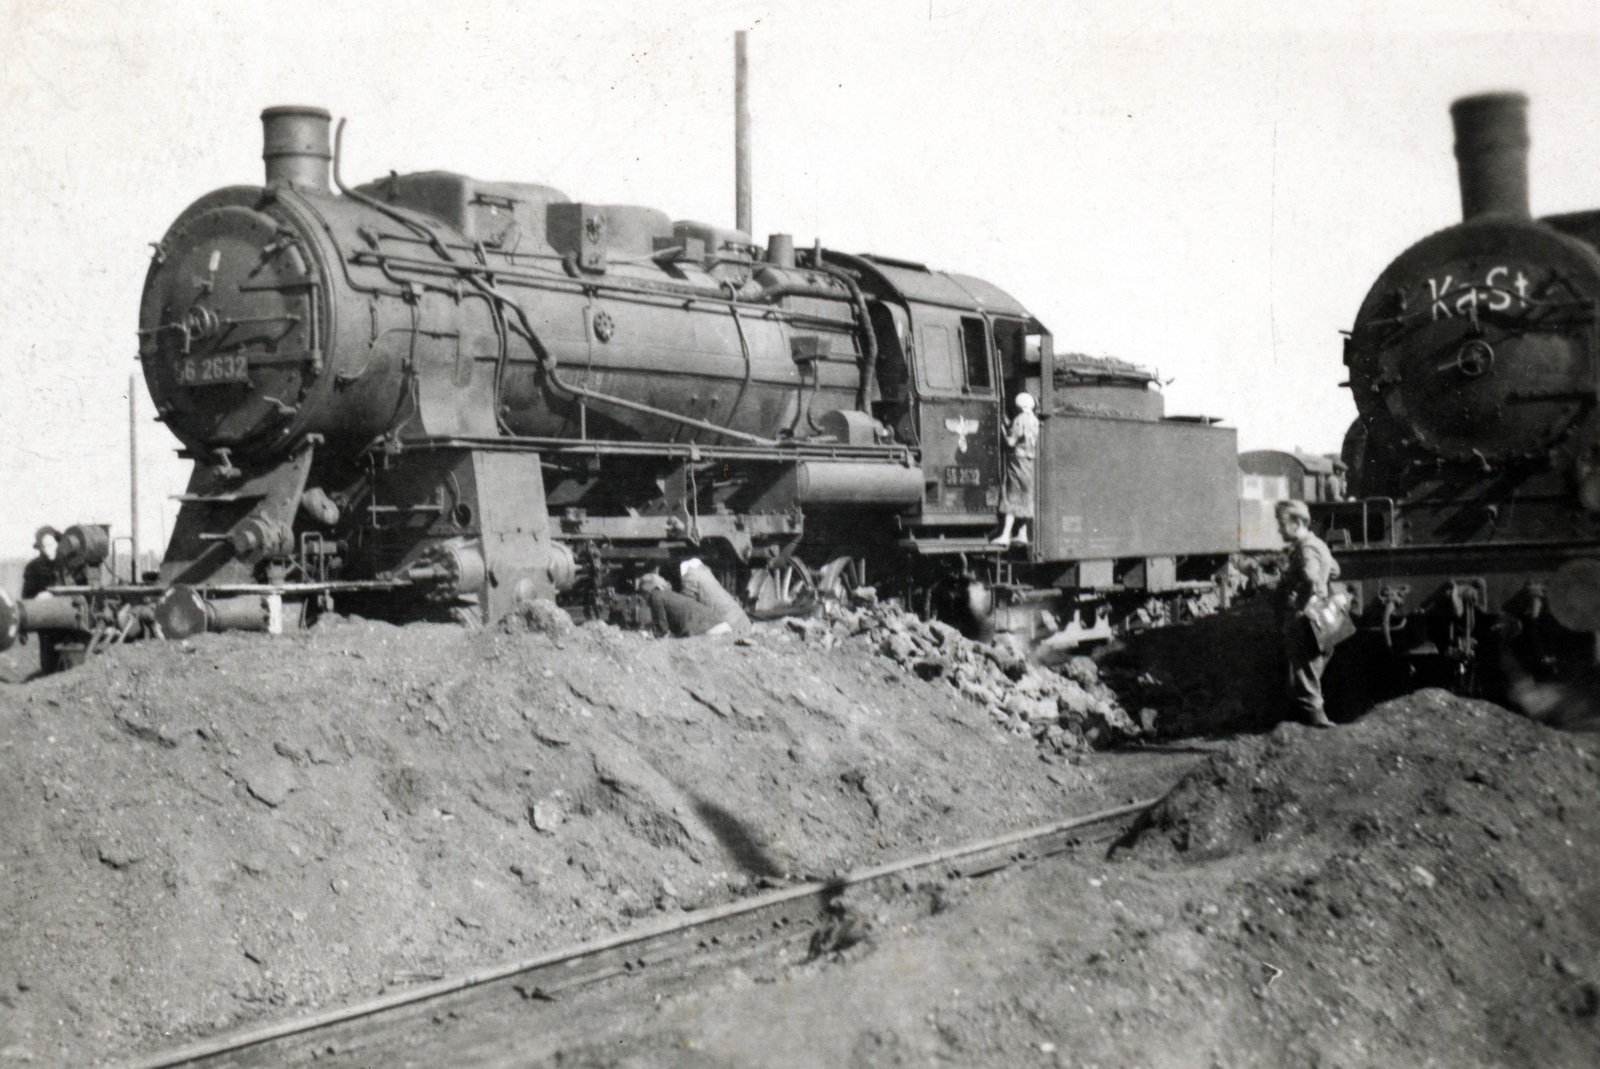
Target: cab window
{"x": 975, "y": 348}
{"x": 938, "y": 358}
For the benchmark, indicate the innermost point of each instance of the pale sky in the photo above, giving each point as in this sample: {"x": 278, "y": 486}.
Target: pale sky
{"x": 1206, "y": 188}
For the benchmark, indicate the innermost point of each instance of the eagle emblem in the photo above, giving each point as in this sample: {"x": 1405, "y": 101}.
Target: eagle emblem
{"x": 961, "y": 426}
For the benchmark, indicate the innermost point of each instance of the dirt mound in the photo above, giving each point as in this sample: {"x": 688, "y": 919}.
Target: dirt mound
{"x": 1437, "y": 857}
{"x": 1419, "y": 888}
{"x": 198, "y": 834}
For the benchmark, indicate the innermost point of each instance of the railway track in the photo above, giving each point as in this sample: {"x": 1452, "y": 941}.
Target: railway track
{"x": 380, "y": 1030}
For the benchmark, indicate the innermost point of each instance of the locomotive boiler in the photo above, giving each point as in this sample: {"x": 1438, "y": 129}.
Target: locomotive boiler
{"x": 432, "y": 395}
{"x": 1476, "y": 452}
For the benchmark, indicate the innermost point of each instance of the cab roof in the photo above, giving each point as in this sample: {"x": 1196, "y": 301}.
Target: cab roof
{"x": 908, "y": 281}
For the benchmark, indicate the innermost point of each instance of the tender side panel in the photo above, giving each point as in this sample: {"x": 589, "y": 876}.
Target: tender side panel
{"x": 1132, "y": 488}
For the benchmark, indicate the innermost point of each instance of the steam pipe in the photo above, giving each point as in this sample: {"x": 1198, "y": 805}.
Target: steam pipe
{"x": 869, "y": 341}
{"x": 1492, "y": 154}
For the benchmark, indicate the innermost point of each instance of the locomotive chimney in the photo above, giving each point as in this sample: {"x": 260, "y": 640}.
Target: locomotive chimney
{"x": 295, "y": 145}
{"x": 1492, "y": 154}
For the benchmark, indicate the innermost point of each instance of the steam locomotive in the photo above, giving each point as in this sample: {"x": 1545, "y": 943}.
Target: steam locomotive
{"x": 1475, "y": 365}
{"x": 432, "y": 395}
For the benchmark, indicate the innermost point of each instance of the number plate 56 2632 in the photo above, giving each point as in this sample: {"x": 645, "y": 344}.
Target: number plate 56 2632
{"x": 954, "y": 476}
{"x": 206, "y": 370}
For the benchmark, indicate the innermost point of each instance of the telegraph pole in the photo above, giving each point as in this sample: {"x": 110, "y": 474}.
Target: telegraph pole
{"x": 133, "y": 475}
{"x": 741, "y": 134}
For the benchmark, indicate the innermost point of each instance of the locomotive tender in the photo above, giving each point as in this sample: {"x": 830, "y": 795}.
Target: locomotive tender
{"x": 435, "y": 395}
{"x": 1475, "y": 365}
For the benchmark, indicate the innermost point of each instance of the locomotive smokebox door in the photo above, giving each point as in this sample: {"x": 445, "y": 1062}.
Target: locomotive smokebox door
{"x": 228, "y": 337}
{"x": 1478, "y": 344}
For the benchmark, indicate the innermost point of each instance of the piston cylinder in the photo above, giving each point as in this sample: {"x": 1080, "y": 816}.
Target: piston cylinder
{"x": 52, "y": 614}
{"x": 247, "y": 612}
{"x": 37, "y": 614}
{"x": 1575, "y": 595}
{"x": 449, "y": 569}
{"x": 180, "y": 612}
{"x": 1492, "y": 154}
{"x": 183, "y": 612}
{"x": 258, "y": 538}
{"x": 10, "y": 620}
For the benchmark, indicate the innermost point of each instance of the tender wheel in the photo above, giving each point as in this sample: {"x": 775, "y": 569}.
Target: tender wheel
{"x": 784, "y": 588}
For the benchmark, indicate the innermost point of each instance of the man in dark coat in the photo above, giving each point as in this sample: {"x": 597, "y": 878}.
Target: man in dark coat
{"x": 40, "y": 574}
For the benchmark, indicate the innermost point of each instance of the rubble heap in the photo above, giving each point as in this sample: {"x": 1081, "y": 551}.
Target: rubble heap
{"x": 1066, "y": 709}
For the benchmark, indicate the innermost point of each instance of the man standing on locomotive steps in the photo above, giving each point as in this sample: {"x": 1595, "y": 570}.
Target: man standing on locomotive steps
{"x": 1017, "y": 503}
{"x": 1310, "y": 569}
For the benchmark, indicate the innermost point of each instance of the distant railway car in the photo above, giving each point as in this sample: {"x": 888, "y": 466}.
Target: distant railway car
{"x": 1299, "y": 476}
{"x": 1268, "y": 476}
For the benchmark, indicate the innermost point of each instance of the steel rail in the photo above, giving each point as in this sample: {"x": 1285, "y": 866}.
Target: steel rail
{"x": 479, "y": 977}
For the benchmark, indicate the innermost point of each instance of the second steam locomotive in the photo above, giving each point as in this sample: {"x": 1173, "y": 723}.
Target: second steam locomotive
{"x": 1475, "y": 365}
{"x": 437, "y": 396}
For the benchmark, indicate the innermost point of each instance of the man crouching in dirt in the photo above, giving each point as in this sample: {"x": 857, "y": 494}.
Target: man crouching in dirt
{"x": 704, "y": 607}
{"x": 1310, "y": 568}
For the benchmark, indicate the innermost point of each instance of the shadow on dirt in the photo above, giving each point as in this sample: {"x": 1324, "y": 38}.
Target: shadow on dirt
{"x": 736, "y": 839}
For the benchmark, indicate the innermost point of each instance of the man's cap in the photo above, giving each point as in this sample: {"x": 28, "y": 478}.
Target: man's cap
{"x": 1025, "y": 401}
{"x": 1294, "y": 508}
{"x": 38, "y": 536}
{"x": 692, "y": 562}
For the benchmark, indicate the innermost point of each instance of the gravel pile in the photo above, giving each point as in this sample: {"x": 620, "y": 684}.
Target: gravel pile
{"x": 1066, "y": 709}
